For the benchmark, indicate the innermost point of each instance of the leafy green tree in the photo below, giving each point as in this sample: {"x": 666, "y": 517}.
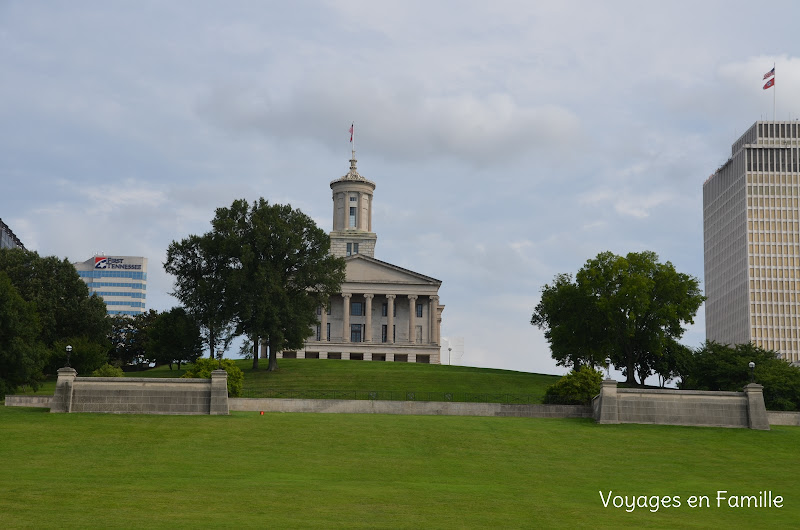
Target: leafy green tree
{"x": 279, "y": 271}
{"x": 200, "y": 268}
{"x": 174, "y": 337}
{"x": 570, "y": 319}
{"x": 120, "y": 337}
{"x": 668, "y": 365}
{"x": 631, "y": 309}
{"x": 62, "y": 299}
{"x": 716, "y": 366}
{"x": 22, "y": 354}
{"x": 129, "y": 338}
{"x": 86, "y": 357}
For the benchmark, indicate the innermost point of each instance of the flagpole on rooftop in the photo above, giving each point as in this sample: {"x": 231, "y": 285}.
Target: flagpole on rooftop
{"x": 774, "y": 89}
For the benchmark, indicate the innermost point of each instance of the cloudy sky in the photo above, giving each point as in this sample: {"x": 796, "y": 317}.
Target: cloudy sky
{"x": 508, "y": 142}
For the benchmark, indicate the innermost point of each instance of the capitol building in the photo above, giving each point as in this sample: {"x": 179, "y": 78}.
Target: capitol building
{"x": 384, "y": 312}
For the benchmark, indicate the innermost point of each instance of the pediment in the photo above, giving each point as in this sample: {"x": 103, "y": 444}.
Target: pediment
{"x": 362, "y": 269}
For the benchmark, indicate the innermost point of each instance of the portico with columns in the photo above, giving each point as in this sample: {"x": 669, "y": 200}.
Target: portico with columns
{"x": 384, "y": 312}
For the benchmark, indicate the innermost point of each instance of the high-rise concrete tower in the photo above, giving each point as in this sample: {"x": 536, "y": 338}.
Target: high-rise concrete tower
{"x": 352, "y": 214}
{"x": 752, "y": 241}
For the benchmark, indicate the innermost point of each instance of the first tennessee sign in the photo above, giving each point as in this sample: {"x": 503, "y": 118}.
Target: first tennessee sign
{"x": 104, "y": 262}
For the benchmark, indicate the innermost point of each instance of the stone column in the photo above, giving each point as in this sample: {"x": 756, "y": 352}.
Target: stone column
{"x": 323, "y": 324}
{"x": 756, "y": 410}
{"x": 334, "y": 211}
{"x": 412, "y": 314}
{"x": 369, "y": 212}
{"x": 390, "y": 316}
{"x": 368, "y": 311}
{"x": 219, "y": 393}
{"x": 433, "y": 334}
{"x": 62, "y": 398}
{"x": 439, "y": 310}
{"x": 346, "y": 317}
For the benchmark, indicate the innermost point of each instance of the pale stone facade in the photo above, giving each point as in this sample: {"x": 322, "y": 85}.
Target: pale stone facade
{"x": 751, "y": 221}
{"x": 384, "y": 312}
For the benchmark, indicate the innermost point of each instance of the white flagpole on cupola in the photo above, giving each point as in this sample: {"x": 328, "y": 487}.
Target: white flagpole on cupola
{"x": 353, "y": 140}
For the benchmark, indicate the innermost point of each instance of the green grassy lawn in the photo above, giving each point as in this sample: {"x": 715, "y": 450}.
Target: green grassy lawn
{"x": 375, "y": 471}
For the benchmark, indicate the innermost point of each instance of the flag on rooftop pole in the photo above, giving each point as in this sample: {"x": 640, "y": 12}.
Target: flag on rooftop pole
{"x": 351, "y": 131}
{"x": 770, "y": 84}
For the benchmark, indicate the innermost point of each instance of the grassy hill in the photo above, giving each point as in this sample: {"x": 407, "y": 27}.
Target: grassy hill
{"x": 381, "y": 377}
{"x": 296, "y": 375}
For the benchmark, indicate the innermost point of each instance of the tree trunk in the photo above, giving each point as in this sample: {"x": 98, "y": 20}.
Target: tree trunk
{"x": 273, "y": 358}
{"x": 630, "y": 369}
{"x": 255, "y": 353}
{"x": 212, "y": 342}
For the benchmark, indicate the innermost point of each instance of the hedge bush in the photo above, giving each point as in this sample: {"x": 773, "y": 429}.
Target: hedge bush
{"x": 108, "y": 371}
{"x": 202, "y": 369}
{"x": 576, "y": 388}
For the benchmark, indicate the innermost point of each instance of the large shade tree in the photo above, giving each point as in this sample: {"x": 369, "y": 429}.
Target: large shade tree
{"x": 63, "y": 304}
{"x": 631, "y": 309}
{"x": 716, "y": 366}
{"x": 22, "y": 354}
{"x": 271, "y": 270}
{"x": 129, "y": 338}
{"x": 200, "y": 266}
{"x": 280, "y": 272}
{"x": 174, "y": 338}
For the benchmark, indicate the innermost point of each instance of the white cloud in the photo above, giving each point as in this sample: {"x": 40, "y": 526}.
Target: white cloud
{"x": 465, "y": 126}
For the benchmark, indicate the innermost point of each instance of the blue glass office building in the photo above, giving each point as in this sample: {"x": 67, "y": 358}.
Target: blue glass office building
{"x": 120, "y": 280}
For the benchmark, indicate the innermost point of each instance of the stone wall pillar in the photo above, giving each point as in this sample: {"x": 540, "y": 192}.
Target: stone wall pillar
{"x": 412, "y": 314}
{"x": 390, "y": 317}
{"x": 219, "y": 393}
{"x": 62, "y": 398}
{"x": 346, "y": 317}
{"x": 608, "y": 412}
{"x": 368, "y": 311}
{"x": 756, "y": 410}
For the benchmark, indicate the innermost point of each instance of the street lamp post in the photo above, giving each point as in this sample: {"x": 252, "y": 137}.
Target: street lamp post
{"x": 752, "y": 366}
{"x": 608, "y": 367}
{"x": 69, "y": 352}
{"x": 449, "y": 356}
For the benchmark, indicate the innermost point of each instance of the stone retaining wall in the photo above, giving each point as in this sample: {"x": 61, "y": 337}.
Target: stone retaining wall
{"x": 783, "y": 418}
{"x": 681, "y": 407}
{"x": 29, "y": 401}
{"x": 423, "y": 408}
{"x": 140, "y": 395}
